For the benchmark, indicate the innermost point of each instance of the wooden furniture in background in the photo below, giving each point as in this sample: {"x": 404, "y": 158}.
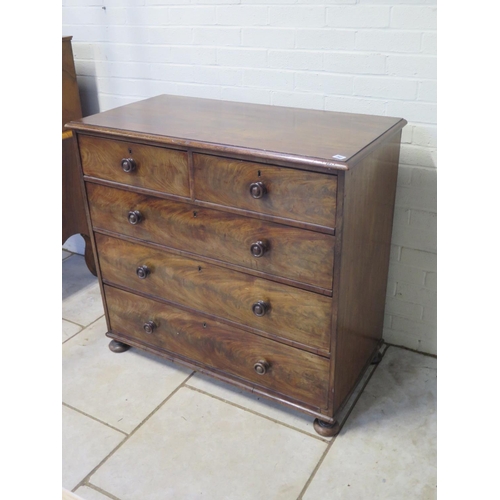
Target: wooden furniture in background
{"x": 248, "y": 242}
{"x": 74, "y": 220}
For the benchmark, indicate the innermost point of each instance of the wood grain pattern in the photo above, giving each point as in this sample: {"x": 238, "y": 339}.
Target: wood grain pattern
{"x": 71, "y": 106}
{"x": 368, "y": 209}
{"x": 297, "y": 254}
{"x": 308, "y": 136}
{"x": 291, "y": 193}
{"x": 301, "y": 375}
{"x": 294, "y": 314}
{"x": 160, "y": 169}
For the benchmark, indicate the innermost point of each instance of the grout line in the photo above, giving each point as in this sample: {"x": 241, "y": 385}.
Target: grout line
{"x": 86, "y": 479}
{"x": 83, "y": 327}
{"x": 94, "y": 418}
{"x": 100, "y": 490}
{"x": 311, "y": 477}
{"x": 412, "y": 350}
{"x": 73, "y": 322}
{"x": 318, "y": 465}
{"x": 258, "y": 414}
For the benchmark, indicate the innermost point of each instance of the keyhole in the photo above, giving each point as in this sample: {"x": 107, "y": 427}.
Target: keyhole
{"x": 199, "y": 268}
{"x": 258, "y": 173}
{"x": 129, "y": 151}
{"x": 195, "y": 214}
{"x": 204, "y": 325}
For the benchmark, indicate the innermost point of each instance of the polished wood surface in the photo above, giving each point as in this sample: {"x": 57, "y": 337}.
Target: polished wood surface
{"x": 74, "y": 220}
{"x": 291, "y": 371}
{"x": 297, "y": 254}
{"x": 159, "y": 169}
{"x": 283, "y": 192}
{"x": 268, "y": 269}
{"x": 310, "y": 137}
{"x": 292, "y": 314}
{"x": 71, "y": 106}
{"x": 368, "y": 210}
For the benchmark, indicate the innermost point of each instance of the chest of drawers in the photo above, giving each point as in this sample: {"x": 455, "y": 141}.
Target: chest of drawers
{"x": 248, "y": 242}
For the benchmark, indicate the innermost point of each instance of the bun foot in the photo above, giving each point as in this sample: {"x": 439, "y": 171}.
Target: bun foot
{"x": 326, "y": 429}
{"x": 377, "y": 358}
{"x": 116, "y": 346}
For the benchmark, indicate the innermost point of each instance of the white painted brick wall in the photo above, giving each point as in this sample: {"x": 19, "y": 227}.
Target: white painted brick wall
{"x": 362, "y": 56}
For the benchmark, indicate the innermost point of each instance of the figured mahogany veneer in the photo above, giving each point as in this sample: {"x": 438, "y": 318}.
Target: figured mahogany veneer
{"x": 247, "y": 242}
{"x": 282, "y": 192}
{"x": 291, "y": 313}
{"x": 297, "y": 254}
{"x": 301, "y": 375}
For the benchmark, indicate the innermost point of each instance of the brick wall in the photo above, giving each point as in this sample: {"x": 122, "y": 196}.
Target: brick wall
{"x": 362, "y": 56}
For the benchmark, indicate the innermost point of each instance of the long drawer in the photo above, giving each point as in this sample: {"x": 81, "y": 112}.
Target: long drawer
{"x": 257, "y": 360}
{"x": 160, "y": 169}
{"x": 297, "y": 254}
{"x": 283, "y": 192}
{"x": 282, "y": 310}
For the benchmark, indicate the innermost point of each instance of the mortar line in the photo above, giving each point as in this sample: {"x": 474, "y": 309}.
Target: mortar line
{"x": 412, "y": 350}
{"x": 74, "y": 323}
{"x": 127, "y": 437}
{"x": 258, "y": 414}
{"x": 83, "y": 327}
{"x": 94, "y": 418}
{"x": 311, "y": 477}
{"x": 100, "y": 490}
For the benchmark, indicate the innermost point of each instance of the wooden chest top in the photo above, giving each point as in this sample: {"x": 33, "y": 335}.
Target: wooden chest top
{"x": 323, "y": 139}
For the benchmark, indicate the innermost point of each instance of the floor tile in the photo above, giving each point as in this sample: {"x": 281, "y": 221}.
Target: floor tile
{"x": 253, "y": 402}
{"x": 88, "y": 493}
{"x": 387, "y": 449}
{"x": 69, "y": 329}
{"x": 66, "y": 254}
{"x": 119, "y": 389}
{"x": 269, "y": 408}
{"x": 82, "y": 302}
{"x": 196, "y": 446}
{"x": 85, "y": 443}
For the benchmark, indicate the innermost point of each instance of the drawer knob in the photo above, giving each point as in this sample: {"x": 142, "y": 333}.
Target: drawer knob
{"x": 260, "y": 308}
{"x": 257, "y": 190}
{"x": 128, "y": 165}
{"x": 134, "y": 217}
{"x": 259, "y": 248}
{"x": 261, "y": 367}
{"x": 149, "y": 326}
{"x": 142, "y": 272}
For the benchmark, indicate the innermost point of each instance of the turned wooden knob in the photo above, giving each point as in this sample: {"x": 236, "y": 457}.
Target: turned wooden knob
{"x": 257, "y": 190}
{"x": 259, "y": 248}
{"x": 142, "y": 272}
{"x": 128, "y": 165}
{"x": 134, "y": 217}
{"x": 261, "y": 367}
{"x": 260, "y": 308}
{"x": 149, "y": 326}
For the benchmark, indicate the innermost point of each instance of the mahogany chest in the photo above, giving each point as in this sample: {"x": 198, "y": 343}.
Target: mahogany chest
{"x": 248, "y": 242}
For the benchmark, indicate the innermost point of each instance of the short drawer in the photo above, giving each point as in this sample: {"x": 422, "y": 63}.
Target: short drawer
{"x": 284, "y": 369}
{"x": 281, "y": 310}
{"x": 296, "y": 254}
{"x": 151, "y": 167}
{"x": 282, "y": 192}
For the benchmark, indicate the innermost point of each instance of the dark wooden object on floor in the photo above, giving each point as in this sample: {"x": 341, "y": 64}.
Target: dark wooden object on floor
{"x": 74, "y": 220}
{"x": 247, "y": 242}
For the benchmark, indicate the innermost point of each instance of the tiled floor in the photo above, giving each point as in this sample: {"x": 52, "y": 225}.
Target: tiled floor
{"x": 139, "y": 428}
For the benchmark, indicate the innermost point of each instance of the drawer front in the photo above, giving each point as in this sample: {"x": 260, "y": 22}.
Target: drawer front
{"x": 288, "y": 312}
{"x": 297, "y": 254}
{"x": 290, "y": 371}
{"x": 160, "y": 169}
{"x": 283, "y": 192}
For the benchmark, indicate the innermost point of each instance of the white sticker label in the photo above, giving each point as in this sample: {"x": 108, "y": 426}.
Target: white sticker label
{"x": 339, "y": 157}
